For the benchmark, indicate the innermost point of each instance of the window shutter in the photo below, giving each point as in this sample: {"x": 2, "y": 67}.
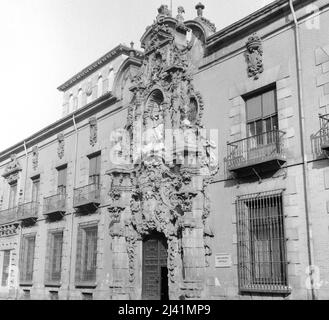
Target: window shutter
{"x": 268, "y": 103}
{"x": 48, "y": 257}
{"x": 79, "y": 255}
{"x": 254, "y": 108}
{"x": 5, "y": 268}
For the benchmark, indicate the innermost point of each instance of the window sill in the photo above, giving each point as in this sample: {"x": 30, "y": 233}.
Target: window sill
{"x": 26, "y": 283}
{"x": 266, "y": 289}
{"x": 87, "y": 284}
{"x": 53, "y": 284}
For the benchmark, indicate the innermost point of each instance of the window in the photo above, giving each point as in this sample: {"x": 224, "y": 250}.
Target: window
{"x": 111, "y": 79}
{"x": 5, "y": 264}
{"x": 80, "y": 98}
{"x": 53, "y": 295}
{"x": 100, "y": 87}
{"x": 261, "y": 243}
{"x": 12, "y": 195}
{"x": 87, "y": 296}
{"x": 71, "y": 103}
{"x": 262, "y": 117}
{"x": 35, "y": 189}
{"x": 86, "y": 254}
{"x": 61, "y": 182}
{"x": 27, "y": 258}
{"x": 94, "y": 170}
{"x": 26, "y": 295}
{"x": 54, "y": 257}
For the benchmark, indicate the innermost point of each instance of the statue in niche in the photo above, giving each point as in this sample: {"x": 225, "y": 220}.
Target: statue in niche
{"x": 153, "y": 142}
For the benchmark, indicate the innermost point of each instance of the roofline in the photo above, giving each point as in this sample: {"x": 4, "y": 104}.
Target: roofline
{"x": 272, "y": 9}
{"x": 118, "y": 50}
{"x": 103, "y": 102}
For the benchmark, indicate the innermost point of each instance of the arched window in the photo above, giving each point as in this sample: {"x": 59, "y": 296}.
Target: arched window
{"x": 80, "y": 98}
{"x": 100, "y": 87}
{"x": 110, "y": 79}
{"x": 70, "y": 103}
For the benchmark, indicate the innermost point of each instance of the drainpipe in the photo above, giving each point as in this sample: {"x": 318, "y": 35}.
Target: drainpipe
{"x": 72, "y": 216}
{"x": 303, "y": 152}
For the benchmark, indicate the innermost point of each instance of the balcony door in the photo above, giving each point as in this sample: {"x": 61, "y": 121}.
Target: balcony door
{"x": 12, "y": 195}
{"x": 262, "y": 123}
{"x": 61, "y": 182}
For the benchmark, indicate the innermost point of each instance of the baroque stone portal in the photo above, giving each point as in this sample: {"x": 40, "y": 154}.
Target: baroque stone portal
{"x": 160, "y": 185}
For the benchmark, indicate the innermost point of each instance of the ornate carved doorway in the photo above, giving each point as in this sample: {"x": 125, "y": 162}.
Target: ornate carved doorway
{"x": 155, "y": 271}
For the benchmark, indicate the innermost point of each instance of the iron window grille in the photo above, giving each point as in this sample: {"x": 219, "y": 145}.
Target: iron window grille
{"x": 27, "y": 259}
{"x": 262, "y": 260}
{"x": 86, "y": 259}
{"x": 5, "y": 268}
{"x": 54, "y": 257}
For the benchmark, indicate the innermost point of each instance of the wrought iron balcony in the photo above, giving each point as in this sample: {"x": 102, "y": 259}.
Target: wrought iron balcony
{"x": 256, "y": 154}
{"x": 54, "y": 205}
{"x": 8, "y": 216}
{"x": 87, "y": 197}
{"x": 28, "y": 211}
{"x": 324, "y": 132}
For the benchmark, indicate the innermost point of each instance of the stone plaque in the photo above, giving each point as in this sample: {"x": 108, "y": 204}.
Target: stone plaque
{"x": 223, "y": 260}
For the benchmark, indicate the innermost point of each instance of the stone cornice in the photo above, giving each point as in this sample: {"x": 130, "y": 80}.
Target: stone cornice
{"x": 272, "y": 11}
{"x": 101, "y": 103}
{"x": 120, "y": 49}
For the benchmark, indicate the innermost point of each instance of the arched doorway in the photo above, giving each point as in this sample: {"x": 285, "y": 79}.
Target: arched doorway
{"x": 155, "y": 270}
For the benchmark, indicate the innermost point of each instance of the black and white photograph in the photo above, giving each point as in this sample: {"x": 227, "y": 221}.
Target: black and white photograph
{"x": 171, "y": 151}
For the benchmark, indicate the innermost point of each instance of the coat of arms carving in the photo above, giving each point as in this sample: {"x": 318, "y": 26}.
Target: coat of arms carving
{"x": 254, "y": 56}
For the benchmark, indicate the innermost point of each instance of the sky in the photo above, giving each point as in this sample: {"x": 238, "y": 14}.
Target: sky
{"x": 46, "y": 42}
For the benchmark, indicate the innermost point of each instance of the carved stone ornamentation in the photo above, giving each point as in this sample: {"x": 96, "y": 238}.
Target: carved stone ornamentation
{"x": 60, "y": 146}
{"x": 93, "y": 131}
{"x": 35, "y": 157}
{"x": 180, "y": 12}
{"x": 158, "y": 193}
{"x": 12, "y": 169}
{"x": 211, "y": 26}
{"x": 254, "y": 56}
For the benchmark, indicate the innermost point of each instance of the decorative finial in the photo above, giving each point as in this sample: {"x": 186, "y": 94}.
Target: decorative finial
{"x": 180, "y": 11}
{"x": 200, "y": 7}
{"x": 132, "y": 50}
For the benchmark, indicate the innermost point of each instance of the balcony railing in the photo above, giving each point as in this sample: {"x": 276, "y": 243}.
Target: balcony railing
{"x": 87, "y": 196}
{"x": 55, "y": 204}
{"x": 8, "y": 216}
{"x": 28, "y": 211}
{"x": 262, "y": 152}
{"x": 324, "y": 131}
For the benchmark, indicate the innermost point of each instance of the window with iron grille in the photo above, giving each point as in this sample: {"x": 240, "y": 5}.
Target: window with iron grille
{"x": 61, "y": 183}
{"x": 27, "y": 258}
{"x": 262, "y": 263}
{"x": 86, "y": 260}
{"x": 5, "y": 258}
{"x": 54, "y": 257}
{"x": 95, "y": 170}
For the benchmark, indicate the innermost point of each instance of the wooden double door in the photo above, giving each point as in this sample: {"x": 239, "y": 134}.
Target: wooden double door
{"x": 155, "y": 271}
